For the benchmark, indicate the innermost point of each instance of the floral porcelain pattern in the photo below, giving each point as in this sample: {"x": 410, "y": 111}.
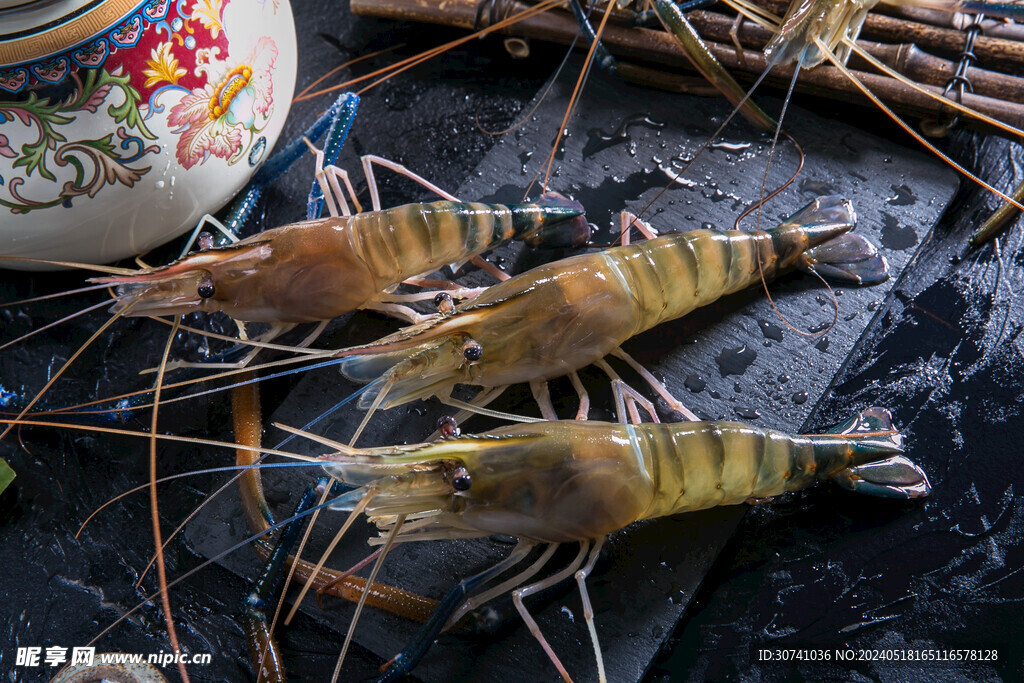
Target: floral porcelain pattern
{"x": 123, "y": 140}
{"x": 216, "y": 100}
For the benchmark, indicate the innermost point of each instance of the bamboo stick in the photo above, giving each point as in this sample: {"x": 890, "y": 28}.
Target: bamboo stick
{"x": 993, "y": 53}
{"x": 657, "y": 46}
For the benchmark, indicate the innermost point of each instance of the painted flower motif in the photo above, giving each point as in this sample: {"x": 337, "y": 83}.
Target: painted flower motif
{"x": 5, "y": 146}
{"x": 214, "y": 118}
{"x": 208, "y": 12}
{"x": 162, "y": 67}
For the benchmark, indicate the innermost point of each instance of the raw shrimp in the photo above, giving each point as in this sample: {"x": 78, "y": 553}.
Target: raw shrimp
{"x": 319, "y": 269}
{"x": 560, "y": 317}
{"x": 571, "y": 481}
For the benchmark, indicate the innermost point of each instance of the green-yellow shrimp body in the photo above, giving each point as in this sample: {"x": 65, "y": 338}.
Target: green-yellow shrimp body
{"x": 565, "y": 315}
{"x": 562, "y": 481}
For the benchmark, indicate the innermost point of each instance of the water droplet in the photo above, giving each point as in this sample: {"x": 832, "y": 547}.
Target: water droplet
{"x": 903, "y": 196}
{"x": 568, "y": 612}
{"x": 770, "y": 330}
{"x": 714, "y": 394}
{"x": 822, "y": 344}
{"x": 737, "y": 388}
{"x": 896, "y": 236}
{"x": 800, "y": 397}
{"x": 820, "y": 327}
{"x": 735, "y": 360}
{"x": 731, "y": 146}
{"x": 695, "y": 383}
{"x": 524, "y": 159}
{"x": 783, "y": 379}
{"x": 747, "y": 414}
{"x": 873, "y": 306}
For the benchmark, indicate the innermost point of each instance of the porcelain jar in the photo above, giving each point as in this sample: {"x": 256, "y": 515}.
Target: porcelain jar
{"x": 123, "y": 121}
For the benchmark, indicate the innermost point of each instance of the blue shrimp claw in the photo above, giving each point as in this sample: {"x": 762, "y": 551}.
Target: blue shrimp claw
{"x": 336, "y": 121}
{"x": 896, "y": 478}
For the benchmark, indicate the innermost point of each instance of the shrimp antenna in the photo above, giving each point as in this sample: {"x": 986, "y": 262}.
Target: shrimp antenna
{"x": 373, "y": 408}
{"x": 366, "y": 592}
{"x": 953, "y": 104}
{"x": 540, "y": 99}
{"x": 64, "y": 367}
{"x": 775, "y": 140}
{"x": 774, "y": 193}
{"x": 57, "y": 295}
{"x": 216, "y": 558}
{"x": 576, "y": 93}
{"x": 353, "y": 516}
{"x": 194, "y": 473}
{"x": 241, "y": 471}
{"x": 345, "y": 65}
{"x": 195, "y": 441}
{"x": 161, "y": 567}
{"x": 80, "y": 408}
{"x": 714, "y": 136}
{"x": 111, "y": 270}
{"x": 836, "y": 62}
{"x": 53, "y": 324}
{"x": 330, "y": 411}
{"x": 760, "y": 207}
{"x": 415, "y": 60}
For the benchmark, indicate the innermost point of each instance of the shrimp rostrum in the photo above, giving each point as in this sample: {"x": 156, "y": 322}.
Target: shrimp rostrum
{"x": 575, "y": 482}
{"x": 563, "y": 316}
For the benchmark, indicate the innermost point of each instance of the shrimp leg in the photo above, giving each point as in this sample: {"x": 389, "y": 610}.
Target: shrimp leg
{"x": 520, "y": 593}
{"x": 263, "y": 648}
{"x": 403, "y": 662}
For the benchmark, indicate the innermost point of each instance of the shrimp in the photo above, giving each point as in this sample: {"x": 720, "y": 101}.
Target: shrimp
{"x": 576, "y": 482}
{"x": 560, "y": 317}
{"x": 320, "y": 269}
{"x": 815, "y": 32}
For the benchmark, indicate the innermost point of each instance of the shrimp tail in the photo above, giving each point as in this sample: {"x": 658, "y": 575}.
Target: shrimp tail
{"x": 847, "y": 258}
{"x": 879, "y": 466}
{"x": 563, "y": 226}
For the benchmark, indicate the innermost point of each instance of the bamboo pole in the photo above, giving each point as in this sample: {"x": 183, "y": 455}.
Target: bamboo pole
{"x": 994, "y": 91}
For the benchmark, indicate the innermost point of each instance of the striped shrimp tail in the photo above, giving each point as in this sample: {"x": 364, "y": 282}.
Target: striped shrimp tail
{"x": 880, "y": 467}
{"x": 837, "y": 254}
{"x": 553, "y": 222}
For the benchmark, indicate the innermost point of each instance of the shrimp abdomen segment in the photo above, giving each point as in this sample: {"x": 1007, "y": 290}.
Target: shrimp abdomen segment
{"x": 419, "y": 238}
{"x": 674, "y": 274}
{"x": 699, "y": 465}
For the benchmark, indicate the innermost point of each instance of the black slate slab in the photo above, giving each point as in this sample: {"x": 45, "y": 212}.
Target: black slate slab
{"x": 734, "y": 360}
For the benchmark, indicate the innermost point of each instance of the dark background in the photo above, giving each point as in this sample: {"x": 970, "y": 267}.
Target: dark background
{"x": 814, "y": 569}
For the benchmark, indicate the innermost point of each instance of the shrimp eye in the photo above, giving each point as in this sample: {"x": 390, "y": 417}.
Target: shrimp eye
{"x": 472, "y": 351}
{"x": 461, "y": 481}
{"x": 448, "y": 427}
{"x": 206, "y": 288}
{"x": 443, "y": 302}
